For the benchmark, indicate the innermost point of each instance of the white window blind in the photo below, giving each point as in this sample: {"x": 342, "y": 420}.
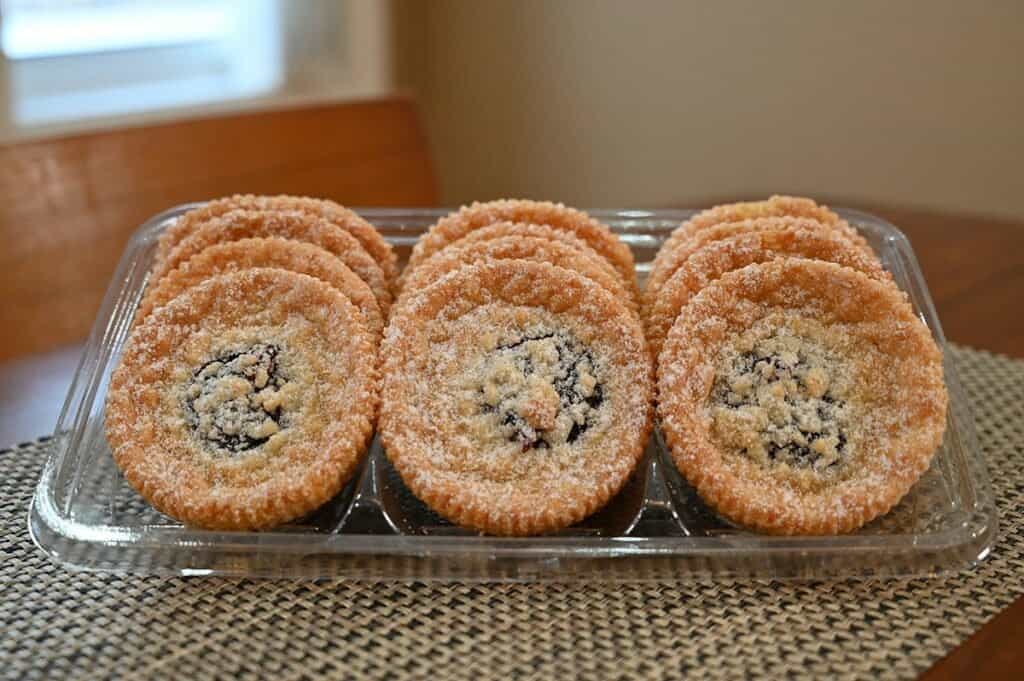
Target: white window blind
{"x": 78, "y": 59}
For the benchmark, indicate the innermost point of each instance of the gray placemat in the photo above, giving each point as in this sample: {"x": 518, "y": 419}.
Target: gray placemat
{"x": 58, "y": 624}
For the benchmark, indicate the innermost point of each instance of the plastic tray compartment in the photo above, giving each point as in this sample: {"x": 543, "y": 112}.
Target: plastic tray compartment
{"x": 84, "y": 514}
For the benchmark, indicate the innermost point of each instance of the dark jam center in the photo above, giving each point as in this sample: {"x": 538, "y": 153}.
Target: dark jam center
{"x": 779, "y": 404}
{"x": 231, "y": 401}
{"x": 555, "y": 392}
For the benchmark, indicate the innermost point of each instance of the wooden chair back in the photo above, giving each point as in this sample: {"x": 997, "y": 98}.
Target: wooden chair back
{"x": 67, "y": 206}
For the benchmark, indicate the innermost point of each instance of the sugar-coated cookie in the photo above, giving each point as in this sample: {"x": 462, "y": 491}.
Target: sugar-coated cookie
{"x": 516, "y": 396}
{"x": 368, "y": 237}
{"x": 245, "y": 402}
{"x": 801, "y": 397}
{"x": 287, "y": 254}
{"x": 470, "y": 218}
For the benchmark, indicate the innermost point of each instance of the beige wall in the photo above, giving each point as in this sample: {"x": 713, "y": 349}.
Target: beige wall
{"x": 652, "y": 103}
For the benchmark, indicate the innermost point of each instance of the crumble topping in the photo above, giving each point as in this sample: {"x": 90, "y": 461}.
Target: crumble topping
{"x": 539, "y": 391}
{"x": 781, "y": 401}
{"x": 233, "y": 403}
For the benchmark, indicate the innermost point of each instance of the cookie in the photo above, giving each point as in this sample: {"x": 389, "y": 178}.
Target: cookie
{"x": 469, "y": 218}
{"x": 286, "y": 254}
{"x": 528, "y": 248}
{"x": 801, "y": 397}
{"x": 246, "y": 402}
{"x": 502, "y": 229}
{"x": 516, "y": 396}
{"x": 684, "y": 248}
{"x": 367, "y": 236}
{"x": 776, "y": 206}
{"x": 246, "y": 224}
{"x": 711, "y": 261}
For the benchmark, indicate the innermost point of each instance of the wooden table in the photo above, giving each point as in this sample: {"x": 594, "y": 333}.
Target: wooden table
{"x": 975, "y": 270}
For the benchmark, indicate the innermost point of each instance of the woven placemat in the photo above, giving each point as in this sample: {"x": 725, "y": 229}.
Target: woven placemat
{"x": 58, "y": 624}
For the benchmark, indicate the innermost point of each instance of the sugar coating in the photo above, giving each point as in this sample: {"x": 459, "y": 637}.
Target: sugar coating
{"x": 775, "y": 206}
{"x": 817, "y": 334}
{"x": 246, "y": 224}
{"x": 245, "y": 402}
{"x": 470, "y": 218}
{"x": 548, "y": 233}
{"x": 287, "y": 254}
{"x": 513, "y": 247}
{"x": 672, "y": 260}
{"x": 516, "y": 397}
{"x": 368, "y": 237}
{"x": 711, "y": 260}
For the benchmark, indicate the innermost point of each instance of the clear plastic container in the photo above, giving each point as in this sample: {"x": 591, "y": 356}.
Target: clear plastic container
{"x": 84, "y": 514}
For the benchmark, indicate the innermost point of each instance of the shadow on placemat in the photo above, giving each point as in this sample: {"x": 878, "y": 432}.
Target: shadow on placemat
{"x": 60, "y": 624}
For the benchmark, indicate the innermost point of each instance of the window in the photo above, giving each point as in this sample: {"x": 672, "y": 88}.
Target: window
{"x": 78, "y": 59}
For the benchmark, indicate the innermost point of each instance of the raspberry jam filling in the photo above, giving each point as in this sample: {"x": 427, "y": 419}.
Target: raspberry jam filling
{"x": 232, "y": 403}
